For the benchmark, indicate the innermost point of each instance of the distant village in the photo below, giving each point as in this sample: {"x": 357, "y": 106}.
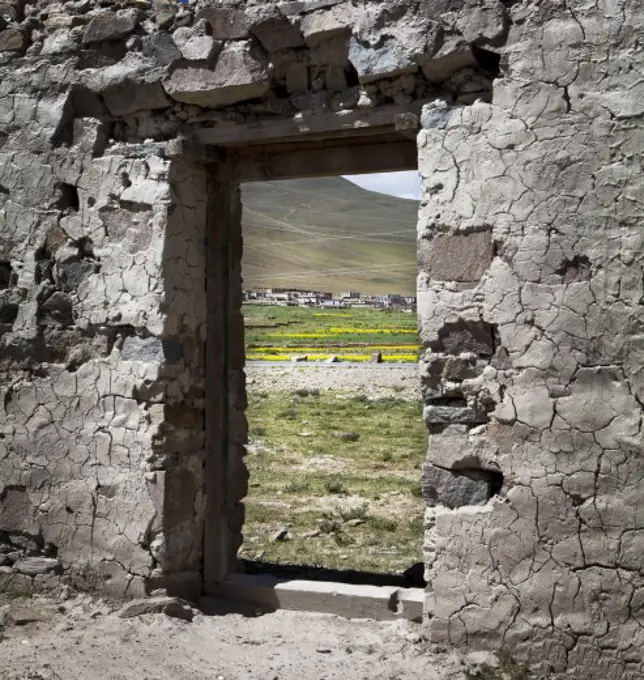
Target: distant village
{"x": 315, "y": 298}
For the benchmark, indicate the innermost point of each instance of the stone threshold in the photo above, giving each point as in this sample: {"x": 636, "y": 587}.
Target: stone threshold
{"x": 269, "y": 593}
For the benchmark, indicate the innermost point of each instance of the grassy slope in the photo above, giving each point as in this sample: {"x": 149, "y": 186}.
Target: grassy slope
{"x": 328, "y": 234}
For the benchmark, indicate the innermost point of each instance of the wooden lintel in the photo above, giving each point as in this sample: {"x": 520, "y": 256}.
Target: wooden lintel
{"x": 191, "y": 147}
{"x": 308, "y": 125}
{"x": 250, "y": 166}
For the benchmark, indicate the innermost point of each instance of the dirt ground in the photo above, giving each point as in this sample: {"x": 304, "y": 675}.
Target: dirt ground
{"x": 80, "y": 638}
{"x": 373, "y": 380}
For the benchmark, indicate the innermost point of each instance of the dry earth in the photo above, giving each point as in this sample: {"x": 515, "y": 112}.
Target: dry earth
{"x": 81, "y": 638}
{"x": 373, "y": 380}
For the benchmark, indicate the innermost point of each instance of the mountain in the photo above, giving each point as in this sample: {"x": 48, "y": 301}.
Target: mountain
{"x": 328, "y": 234}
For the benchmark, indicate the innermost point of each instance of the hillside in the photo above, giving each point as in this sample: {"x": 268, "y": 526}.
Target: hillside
{"x": 328, "y": 234}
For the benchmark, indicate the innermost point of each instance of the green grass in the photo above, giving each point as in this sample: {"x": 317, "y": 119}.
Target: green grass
{"x": 328, "y": 234}
{"x": 306, "y": 477}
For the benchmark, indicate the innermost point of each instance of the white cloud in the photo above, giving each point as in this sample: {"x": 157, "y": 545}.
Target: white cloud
{"x": 405, "y": 184}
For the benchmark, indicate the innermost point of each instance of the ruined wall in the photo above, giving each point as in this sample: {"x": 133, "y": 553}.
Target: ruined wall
{"x": 103, "y": 242}
{"x": 529, "y": 293}
{"x": 530, "y": 297}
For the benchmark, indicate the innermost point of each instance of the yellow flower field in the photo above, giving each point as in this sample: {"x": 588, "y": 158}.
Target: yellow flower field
{"x": 405, "y": 358}
{"x": 275, "y": 333}
{"x": 370, "y": 348}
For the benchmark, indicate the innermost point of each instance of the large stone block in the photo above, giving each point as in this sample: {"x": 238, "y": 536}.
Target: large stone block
{"x": 457, "y": 256}
{"x": 458, "y": 488}
{"x": 274, "y": 30}
{"x": 240, "y": 74}
{"x": 386, "y": 60}
{"x": 326, "y": 22}
{"x": 111, "y": 25}
{"x": 126, "y": 99}
{"x": 226, "y": 23}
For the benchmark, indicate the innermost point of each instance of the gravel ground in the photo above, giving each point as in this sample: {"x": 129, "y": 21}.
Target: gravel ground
{"x": 84, "y": 639}
{"x": 374, "y": 380}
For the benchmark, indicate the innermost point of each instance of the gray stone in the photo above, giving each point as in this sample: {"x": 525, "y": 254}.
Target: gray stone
{"x": 164, "y": 12}
{"x": 456, "y": 256}
{"x": 195, "y": 42}
{"x": 111, "y": 25}
{"x": 12, "y": 40}
{"x": 162, "y": 48}
{"x": 455, "y": 489}
{"x": 452, "y": 414}
{"x": 170, "y": 606}
{"x": 32, "y": 566}
{"x": 280, "y": 535}
{"x": 273, "y": 30}
{"x": 73, "y": 272}
{"x": 142, "y": 349}
{"x": 226, "y": 23}
{"x": 390, "y": 59}
{"x": 240, "y": 74}
{"x": 454, "y": 55}
{"x": 61, "y": 41}
{"x": 326, "y": 22}
{"x": 57, "y": 309}
{"x": 435, "y": 116}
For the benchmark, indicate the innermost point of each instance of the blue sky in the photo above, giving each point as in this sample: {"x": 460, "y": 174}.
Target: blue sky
{"x": 404, "y": 184}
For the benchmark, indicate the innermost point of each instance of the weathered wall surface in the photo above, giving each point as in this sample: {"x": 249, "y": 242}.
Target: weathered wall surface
{"x": 103, "y": 249}
{"x": 531, "y": 291}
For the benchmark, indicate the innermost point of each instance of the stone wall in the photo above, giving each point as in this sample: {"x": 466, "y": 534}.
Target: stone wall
{"x": 530, "y": 295}
{"x": 119, "y": 264}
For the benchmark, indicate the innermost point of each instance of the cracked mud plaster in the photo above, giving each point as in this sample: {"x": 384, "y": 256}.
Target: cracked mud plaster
{"x": 530, "y": 292}
{"x": 553, "y": 566}
{"x": 103, "y": 410}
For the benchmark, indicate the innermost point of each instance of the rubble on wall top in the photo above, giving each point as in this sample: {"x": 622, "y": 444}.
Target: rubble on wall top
{"x": 185, "y": 58}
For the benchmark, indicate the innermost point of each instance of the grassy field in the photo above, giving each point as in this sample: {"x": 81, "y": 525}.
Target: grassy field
{"x": 341, "y": 474}
{"x": 329, "y": 234}
{"x": 276, "y": 333}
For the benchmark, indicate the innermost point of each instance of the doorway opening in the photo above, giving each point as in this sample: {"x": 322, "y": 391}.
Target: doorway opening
{"x": 336, "y": 440}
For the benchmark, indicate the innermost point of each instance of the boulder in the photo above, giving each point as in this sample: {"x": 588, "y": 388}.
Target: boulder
{"x": 239, "y": 74}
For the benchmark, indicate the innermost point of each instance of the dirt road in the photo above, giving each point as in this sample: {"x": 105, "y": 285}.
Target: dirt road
{"x": 84, "y": 639}
{"x": 373, "y": 380}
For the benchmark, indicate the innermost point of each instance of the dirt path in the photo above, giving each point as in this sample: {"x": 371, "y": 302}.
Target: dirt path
{"x": 373, "y": 380}
{"x": 84, "y": 639}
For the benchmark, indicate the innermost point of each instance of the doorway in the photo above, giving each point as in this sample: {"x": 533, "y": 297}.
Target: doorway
{"x": 336, "y": 441}
{"x": 380, "y": 150}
